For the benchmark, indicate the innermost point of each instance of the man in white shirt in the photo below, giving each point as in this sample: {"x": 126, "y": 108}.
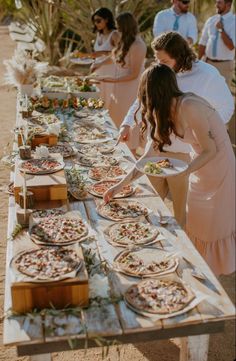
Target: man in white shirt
{"x": 177, "y": 18}
{"x": 217, "y": 42}
{"x": 192, "y": 76}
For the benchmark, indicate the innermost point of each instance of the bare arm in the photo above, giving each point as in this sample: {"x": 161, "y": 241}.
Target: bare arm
{"x": 97, "y": 54}
{"x": 225, "y": 37}
{"x": 97, "y": 65}
{"x": 201, "y": 51}
{"x": 203, "y": 40}
{"x": 130, "y": 177}
{"x": 227, "y": 41}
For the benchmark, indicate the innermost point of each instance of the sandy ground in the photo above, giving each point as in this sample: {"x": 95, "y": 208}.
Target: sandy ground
{"x": 221, "y": 345}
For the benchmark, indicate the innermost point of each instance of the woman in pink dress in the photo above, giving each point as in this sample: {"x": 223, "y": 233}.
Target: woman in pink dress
{"x": 128, "y": 57}
{"x": 210, "y": 221}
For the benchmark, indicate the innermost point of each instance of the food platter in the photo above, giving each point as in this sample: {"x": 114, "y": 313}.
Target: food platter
{"x": 52, "y": 212}
{"x": 87, "y": 134}
{"x": 103, "y": 172}
{"x": 100, "y": 160}
{"x": 95, "y": 149}
{"x": 47, "y": 264}
{"x": 65, "y": 149}
{"x": 145, "y": 262}
{"x": 171, "y": 297}
{"x": 41, "y": 166}
{"x": 82, "y": 61}
{"x": 59, "y": 230}
{"x": 122, "y": 210}
{"x": 146, "y": 165}
{"x": 99, "y": 188}
{"x": 131, "y": 234}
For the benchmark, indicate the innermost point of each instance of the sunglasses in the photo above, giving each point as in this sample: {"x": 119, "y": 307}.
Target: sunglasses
{"x": 185, "y": 2}
{"x": 97, "y": 21}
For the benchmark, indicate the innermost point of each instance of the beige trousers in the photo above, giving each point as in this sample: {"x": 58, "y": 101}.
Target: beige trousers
{"x": 177, "y": 185}
{"x": 225, "y": 68}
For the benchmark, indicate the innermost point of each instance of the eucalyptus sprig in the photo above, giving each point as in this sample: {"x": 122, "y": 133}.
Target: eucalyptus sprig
{"x": 17, "y": 229}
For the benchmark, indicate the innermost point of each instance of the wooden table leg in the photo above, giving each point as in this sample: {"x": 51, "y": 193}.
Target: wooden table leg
{"x": 194, "y": 348}
{"x": 42, "y": 357}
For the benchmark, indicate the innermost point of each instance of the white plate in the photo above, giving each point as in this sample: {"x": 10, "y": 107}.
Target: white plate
{"x": 179, "y": 166}
{"x": 82, "y": 61}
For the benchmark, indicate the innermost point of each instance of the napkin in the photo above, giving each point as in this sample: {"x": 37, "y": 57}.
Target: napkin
{"x": 42, "y": 152}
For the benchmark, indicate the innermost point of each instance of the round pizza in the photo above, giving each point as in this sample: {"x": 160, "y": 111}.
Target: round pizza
{"x": 101, "y": 160}
{"x": 132, "y": 233}
{"x": 159, "y": 296}
{"x": 43, "y": 119}
{"x": 87, "y": 134}
{"x": 140, "y": 263}
{"x": 102, "y": 172}
{"x": 42, "y": 213}
{"x": 59, "y": 230}
{"x": 122, "y": 210}
{"x": 65, "y": 149}
{"x": 98, "y": 189}
{"x": 95, "y": 149}
{"x": 47, "y": 263}
{"x": 41, "y": 166}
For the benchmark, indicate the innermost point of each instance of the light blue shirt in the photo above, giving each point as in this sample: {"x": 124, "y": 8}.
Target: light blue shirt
{"x": 165, "y": 20}
{"x": 209, "y": 34}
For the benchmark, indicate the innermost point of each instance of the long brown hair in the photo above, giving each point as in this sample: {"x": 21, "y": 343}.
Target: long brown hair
{"x": 157, "y": 88}
{"x": 128, "y": 27}
{"x": 105, "y": 14}
{"x": 177, "y": 48}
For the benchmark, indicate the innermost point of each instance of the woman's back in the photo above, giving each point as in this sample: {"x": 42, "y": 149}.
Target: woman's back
{"x": 124, "y": 92}
{"x": 217, "y": 127}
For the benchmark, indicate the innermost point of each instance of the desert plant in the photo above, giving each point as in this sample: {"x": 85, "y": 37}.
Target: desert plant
{"x": 23, "y": 69}
{"x": 46, "y": 20}
{"x": 51, "y": 20}
{"x": 7, "y": 8}
{"x": 78, "y": 17}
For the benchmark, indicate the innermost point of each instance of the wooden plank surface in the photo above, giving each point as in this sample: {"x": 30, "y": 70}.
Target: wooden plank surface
{"x": 117, "y": 320}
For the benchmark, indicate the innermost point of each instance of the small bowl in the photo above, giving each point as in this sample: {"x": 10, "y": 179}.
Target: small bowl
{"x": 163, "y": 221}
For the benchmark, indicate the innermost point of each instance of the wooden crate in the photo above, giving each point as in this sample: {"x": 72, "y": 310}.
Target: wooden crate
{"x": 38, "y": 139}
{"x": 48, "y": 187}
{"x": 27, "y": 296}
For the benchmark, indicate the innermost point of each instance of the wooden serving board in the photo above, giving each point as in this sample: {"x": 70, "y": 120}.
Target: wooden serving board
{"x": 47, "y": 187}
{"x": 50, "y": 139}
{"x": 27, "y": 296}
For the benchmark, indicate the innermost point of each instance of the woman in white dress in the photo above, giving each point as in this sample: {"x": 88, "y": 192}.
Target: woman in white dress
{"x": 106, "y": 38}
{"x": 128, "y": 57}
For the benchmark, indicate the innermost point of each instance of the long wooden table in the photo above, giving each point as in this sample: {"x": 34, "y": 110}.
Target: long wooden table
{"x": 114, "y": 321}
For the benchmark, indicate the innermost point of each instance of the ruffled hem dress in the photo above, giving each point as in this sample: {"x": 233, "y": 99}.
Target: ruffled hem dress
{"x": 210, "y": 222}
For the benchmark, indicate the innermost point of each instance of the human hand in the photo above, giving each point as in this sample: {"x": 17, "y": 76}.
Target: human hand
{"x": 108, "y": 80}
{"x": 93, "y": 67}
{"x": 124, "y": 134}
{"x": 219, "y": 25}
{"x": 111, "y": 192}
